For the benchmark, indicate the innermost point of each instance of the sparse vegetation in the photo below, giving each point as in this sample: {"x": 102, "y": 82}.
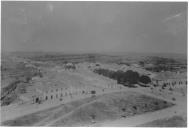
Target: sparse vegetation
{"x": 123, "y": 109}
{"x": 21, "y": 73}
{"x": 93, "y": 92}
{"x": 98, "y": 109}
{"x": 102, "y": 108}
{"x": 173, "y": 98}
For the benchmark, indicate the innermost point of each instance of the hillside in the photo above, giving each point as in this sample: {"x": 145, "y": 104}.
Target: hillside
{"x": 92, "y": 110}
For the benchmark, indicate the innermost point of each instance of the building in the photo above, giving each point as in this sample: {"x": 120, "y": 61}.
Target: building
{"x": 171, "y": 79}
{"x": 31, "y": 97}
{"x": 41, "y": 93}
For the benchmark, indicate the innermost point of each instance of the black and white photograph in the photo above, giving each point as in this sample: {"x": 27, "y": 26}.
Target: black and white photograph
{"x": 94, "y": 63}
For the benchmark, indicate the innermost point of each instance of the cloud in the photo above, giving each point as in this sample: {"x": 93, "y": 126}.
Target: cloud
{"x": 172, "y": 17}
{"x": 177, "y": 24}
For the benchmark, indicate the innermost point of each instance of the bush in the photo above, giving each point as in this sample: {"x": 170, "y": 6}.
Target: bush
{"x": 93, "y": 92}
{"x": 131, "y": 77}
{"x": 156, "y": 103}
{"x": 173, "y": 99}
{"x": 123, "y": 109}
{"x": 135, "y": 107}
{"x": 171, "y": 89}
{"x": 93, "y": 116}
{"x": 145, "y": 79}
{"x": 165, "y": 102}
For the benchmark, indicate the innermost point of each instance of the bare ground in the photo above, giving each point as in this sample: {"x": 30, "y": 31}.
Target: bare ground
{"x": 175, "y": 121}
{"x": 92, "y": 110}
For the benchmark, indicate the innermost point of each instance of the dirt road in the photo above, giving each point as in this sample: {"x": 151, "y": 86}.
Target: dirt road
{"x": 15, "y": 112}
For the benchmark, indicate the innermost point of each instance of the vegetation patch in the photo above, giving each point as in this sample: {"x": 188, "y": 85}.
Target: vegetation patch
{"x": 128, "y": 78}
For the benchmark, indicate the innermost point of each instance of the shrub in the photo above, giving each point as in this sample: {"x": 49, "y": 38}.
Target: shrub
{"x": 93, "y": 116}
{"x": 156, "y": 103}
{"x": 135, "y": 107}
{"x": 123, "y": 109}
{"x": 165, "y": 102}
{"x": 171, "y": 89}
{"x": 145, "y": 79}
{"x": 93, "y": 92}
{"x": 173, "y": 99}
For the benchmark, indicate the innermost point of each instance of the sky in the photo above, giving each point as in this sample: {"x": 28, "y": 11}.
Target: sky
{"x": 156, "y": 27}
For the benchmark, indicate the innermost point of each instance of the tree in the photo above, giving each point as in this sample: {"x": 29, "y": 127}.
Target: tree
{"x": 145, "y": 79}
{"x": 126, "y": 78}
{"x": 131, "y": 77}
{"x": 173, "y": 98}
{"x": 135, "y": 108}
{"x": 123, "y": 109}
{"x": 93, "y": 92}
{"x": 164, "y": 85}
{"x": 171, "y": 89}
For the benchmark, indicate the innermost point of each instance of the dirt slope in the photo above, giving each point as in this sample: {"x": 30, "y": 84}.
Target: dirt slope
{"x": 111, "y": 107}
{"x": 92, "y": 110}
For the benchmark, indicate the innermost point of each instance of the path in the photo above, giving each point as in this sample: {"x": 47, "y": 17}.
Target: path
{"x": 13, "y": 111}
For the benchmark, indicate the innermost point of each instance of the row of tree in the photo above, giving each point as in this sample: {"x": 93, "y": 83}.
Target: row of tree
{"x": 126, "y": 78}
